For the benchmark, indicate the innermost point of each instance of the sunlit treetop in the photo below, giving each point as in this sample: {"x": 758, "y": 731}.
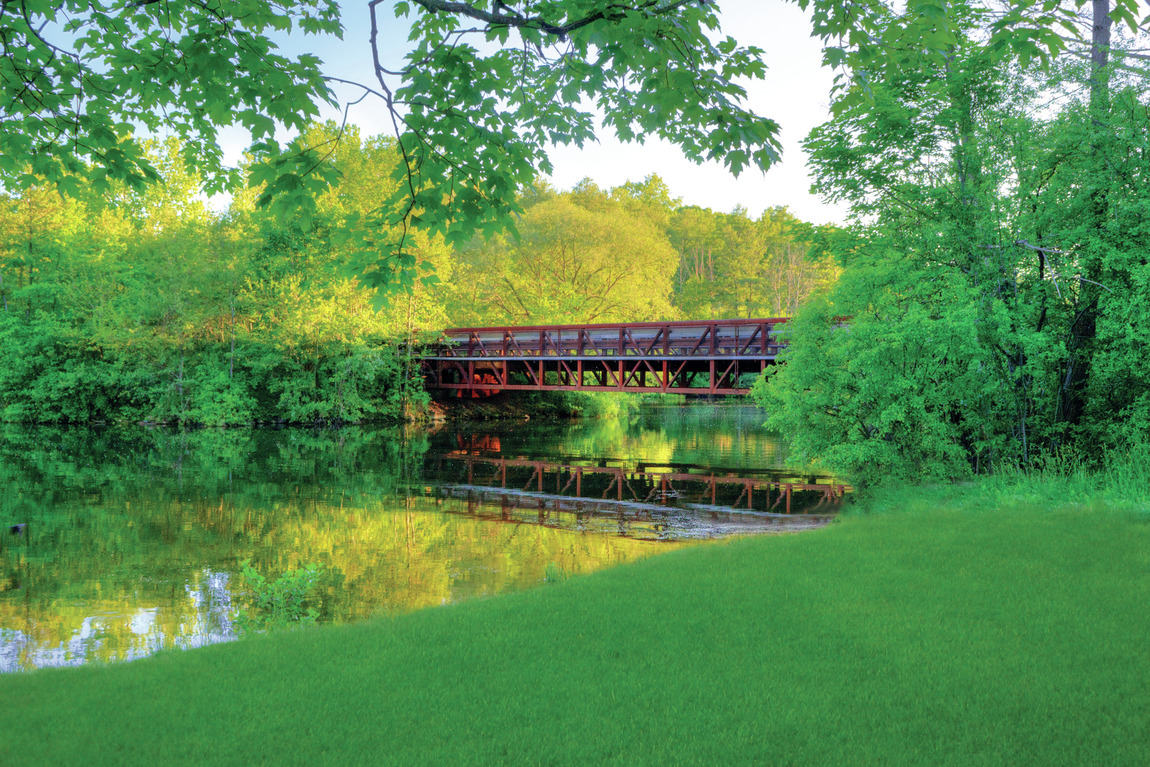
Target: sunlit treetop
{"x": 485, "y": 90}
{"x": 488, "y": 87}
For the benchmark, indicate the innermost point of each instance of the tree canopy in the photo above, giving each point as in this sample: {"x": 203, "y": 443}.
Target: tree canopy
{"x": 148, "y": 305}
{"x": 486, "y": 88}
{"x": 79, "y": 81}
{"x": 996, "y": 279}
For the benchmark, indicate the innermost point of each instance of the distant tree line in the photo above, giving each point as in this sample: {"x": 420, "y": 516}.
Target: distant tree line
{"x": 145, "y": 304}
{"x": 635, "y": 253}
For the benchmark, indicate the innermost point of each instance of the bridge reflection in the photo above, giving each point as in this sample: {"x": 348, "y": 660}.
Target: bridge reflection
{"x": 664, "y": 501}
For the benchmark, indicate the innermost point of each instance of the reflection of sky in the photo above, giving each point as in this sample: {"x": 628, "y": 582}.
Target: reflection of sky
{"x": 205, "y": 618}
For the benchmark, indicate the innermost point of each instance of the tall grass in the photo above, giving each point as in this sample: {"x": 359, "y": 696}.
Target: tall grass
{"x": 1121, "y": 482}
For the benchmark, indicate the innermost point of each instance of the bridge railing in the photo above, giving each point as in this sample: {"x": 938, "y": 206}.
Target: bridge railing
{"x": 725, "y": 339}
{"x": 686, "y": 357}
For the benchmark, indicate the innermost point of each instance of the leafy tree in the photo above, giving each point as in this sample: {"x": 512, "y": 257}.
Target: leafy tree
{"x": 982, "y": 252}
{"x": 489, "y": 86}
{"x": 875, "y": 399}
{"x": 733, "y": 266}
{"x": 142, "y": 304}
{"x": 78, "y": 79}
{"x": 485, "y": 90}
{"x": 580, "y": 257}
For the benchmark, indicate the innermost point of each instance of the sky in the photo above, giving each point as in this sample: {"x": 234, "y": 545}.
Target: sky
{"x": 795, "y": 94}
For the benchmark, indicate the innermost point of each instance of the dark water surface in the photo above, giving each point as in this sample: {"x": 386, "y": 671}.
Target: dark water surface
{"x": 118, "y": 542}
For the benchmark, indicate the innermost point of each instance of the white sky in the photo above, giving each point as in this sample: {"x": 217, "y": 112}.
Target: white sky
{"x": 795, "y": 94}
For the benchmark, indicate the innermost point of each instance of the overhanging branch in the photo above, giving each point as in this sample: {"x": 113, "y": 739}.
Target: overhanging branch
{"x": 506, "y": 16}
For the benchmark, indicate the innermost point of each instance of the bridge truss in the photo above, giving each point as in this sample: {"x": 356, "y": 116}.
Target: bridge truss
{"x": 692, "y": 357}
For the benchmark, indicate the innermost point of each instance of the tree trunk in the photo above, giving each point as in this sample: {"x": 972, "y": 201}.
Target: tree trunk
{"x": 1084, "y": 327}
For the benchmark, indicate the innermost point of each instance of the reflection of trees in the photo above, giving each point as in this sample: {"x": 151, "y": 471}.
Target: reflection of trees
{"x": 711, "y": 434}
{"x": 118, "y": 626}
{"x": 133, "y": 536}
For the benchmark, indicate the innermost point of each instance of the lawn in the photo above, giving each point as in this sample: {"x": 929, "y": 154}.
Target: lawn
{"x": 959, "y": 632}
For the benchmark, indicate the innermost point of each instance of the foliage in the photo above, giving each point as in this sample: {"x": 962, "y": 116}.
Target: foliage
{"x": 485, "y": 91}
{"x": 993, "y": 286}
{"x": 278, "y": 604}
{"x": 873, "y": 398}
{"x": 554, "y": 573}
{"x": 634, "y": 253}
{"x": 77, "y": 79}
{"x": 733, "y": 266}
{"x": 579, "y": 257}
{"x": 144, "y": 305}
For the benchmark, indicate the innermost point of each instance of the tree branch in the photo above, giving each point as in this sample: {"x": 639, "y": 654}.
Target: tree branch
{"x": 505, "y": 16}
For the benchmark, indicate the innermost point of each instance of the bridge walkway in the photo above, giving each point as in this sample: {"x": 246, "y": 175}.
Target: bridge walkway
{"x": 688, "y": 357}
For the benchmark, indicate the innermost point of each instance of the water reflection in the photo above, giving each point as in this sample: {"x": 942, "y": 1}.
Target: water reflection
{"x": 661, "y": 501}
{"x": 115, "y": 543}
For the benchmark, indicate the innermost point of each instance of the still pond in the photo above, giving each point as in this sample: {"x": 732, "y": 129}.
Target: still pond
{"x": 119, "y": 542}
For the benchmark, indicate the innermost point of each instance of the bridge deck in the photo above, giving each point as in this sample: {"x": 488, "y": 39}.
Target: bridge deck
{"x": 690, "y": 357}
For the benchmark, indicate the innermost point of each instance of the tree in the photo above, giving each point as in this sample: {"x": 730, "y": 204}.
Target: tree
{"x": 489, "y": 86}
{"x": 78, "y": 78}
{"x": 143, "y": 304}
{"x": 792, "y": 269}
{"x": 472, "y": 120}
{"x": 981, "y": 252}
{"x": 733, "y": 266}
{"x": 580, "y": 257}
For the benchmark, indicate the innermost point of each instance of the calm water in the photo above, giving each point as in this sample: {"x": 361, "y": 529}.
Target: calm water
{"x": 118, "y": 542}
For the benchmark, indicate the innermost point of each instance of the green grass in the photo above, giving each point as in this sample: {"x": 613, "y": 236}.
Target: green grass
{"x": 961, "y": 632}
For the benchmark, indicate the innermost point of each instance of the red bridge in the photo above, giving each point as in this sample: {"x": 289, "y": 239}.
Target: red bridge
{"x": 691, "y": 357}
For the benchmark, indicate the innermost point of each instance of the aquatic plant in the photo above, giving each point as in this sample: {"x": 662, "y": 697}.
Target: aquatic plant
{"x": 554, "y": 573}
{"x": 281, "y": 603}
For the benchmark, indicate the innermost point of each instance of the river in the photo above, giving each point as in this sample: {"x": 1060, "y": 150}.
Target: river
{"x": 117, "y": 542}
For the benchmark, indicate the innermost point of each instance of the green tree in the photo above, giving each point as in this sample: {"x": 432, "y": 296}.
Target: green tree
{"x": 580, "y": 257}
{"x": 144, "y": 305}
{"x": 733, "y": 266}
{"x": 989, "y": 212}
{"x": 78, "y": 79}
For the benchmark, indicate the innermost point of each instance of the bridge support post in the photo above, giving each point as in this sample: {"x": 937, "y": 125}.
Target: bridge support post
{"x": 675, "y": 354}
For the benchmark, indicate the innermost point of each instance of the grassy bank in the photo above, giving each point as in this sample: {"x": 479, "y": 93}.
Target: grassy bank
{"x": 962, "y": 632}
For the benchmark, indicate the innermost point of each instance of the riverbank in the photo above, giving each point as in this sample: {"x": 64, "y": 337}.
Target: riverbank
{"x": 546, "y": 405}
{"x": 961, "y": 629}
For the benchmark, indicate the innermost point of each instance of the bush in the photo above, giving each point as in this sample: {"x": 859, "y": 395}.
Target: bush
{"x": 285, "y": 602}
